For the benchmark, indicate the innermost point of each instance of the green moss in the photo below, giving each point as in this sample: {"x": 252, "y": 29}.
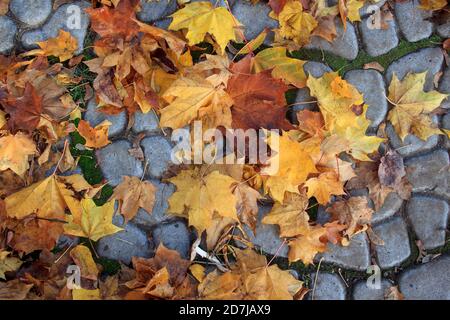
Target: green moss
{"x": 110, "y": 267}
{"x": 88, "y": 164}
{"x": 342, "y": 65}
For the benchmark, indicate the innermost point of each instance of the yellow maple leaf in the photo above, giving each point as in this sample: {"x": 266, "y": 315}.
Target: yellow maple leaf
{"x": 199, "y": 197}
{"x": 254, "y": 44}
{"x": 350, "y": 9}
{"x": 194, "y": 98}
{"x": 291, "y": 216}
{"x": 289, "y": 166}
{"x": 288, "y": 69}
{"x": 432, "y": 4}
{"x": 324, "y": 186}
{"x": 334, "y": 102}
{"x": 89, "y": 220}
{"x": 15, "y": 151}
{"x": 47, "y": 198}
{"x": 95, "y": 137}
{"x": 412, "y": 106}
{"x": 351, "y": 129}
{"x": 200, "y": 18}
{"x": 295, "y": 24}
{"x": 85, "y": 294}
{"x": 305, "y": 247}
{"x": 7, "y": 263}
{"x": 82, "y": 257}
{"x": 133, "y": 194}
{"x": 2, "y": 119}
{"x": 63, "y": 46}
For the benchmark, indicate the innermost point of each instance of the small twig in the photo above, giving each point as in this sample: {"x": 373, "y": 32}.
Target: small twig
{"x": 276, "y": 253}
{"x": 62, "y": 156}
{"x": 145, "y": 170}
{"x": 57, "y": 260}
{"x": 315, "y": 279}
{"x": 301, "y": 103}
{"x": 93, "y": 249}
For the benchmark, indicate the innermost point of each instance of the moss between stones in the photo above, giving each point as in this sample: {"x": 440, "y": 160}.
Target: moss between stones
{"x": 342, "y": 65}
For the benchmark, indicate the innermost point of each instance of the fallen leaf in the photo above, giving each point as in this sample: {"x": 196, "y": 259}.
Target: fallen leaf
{"x": 85, "y": 294}
{"x": 432, "y": 4}
{"x": 25, "y": 112}
{"x": 91, "y": 221}
{"x": 295, "y": 23}
{"x": 288, "y": 168}
{"x": 355, "y": 213}
{"x": 373, "y": 65}
{"x": 14, "y": 290}
{"x": 198, "y": 197}
{"x": 412, "y": 106}
{"x": 133, "y": 194}
{"x": 96, "y": 137}
{"x": 193, "y": 98}
{"x": 288, "y": 69}
{"x": 47, "y": 198}
{"x": 324, "y": 186}
{"x": 255, "y": 43}
{"x": 200, "y": 18}
{"x": 15, "y": 152}
{"x": 82, "y": 257}
{"x": 259, "y": 100}
{"x": 8, "y": 264}
{"x": 62, "y": 46}
{"x": 247, "y": 204}
{"x": 305, "y": 247}
{"x": 4, "y": 7}
{"x": 291, "y": 216}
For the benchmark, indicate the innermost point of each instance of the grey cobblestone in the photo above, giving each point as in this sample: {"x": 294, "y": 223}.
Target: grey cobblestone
{"x": 154, "y": 10}
{"x": 362, "y": 291}
{"x": 344, "y": 45}
{"x": 8, "y": 30}
{"x": 356, "y": 256}
{"x": 371, "y": 84}
{"x": 146, "y": 122}
{"x": 396, "y": 248}
{"x": 444, "y": 30}
{"x": 444, "y": 87}
{"x": 59, "y": 20}
{"x": 267, "y": 236}
{"x": 157, "y": 152}
{"x": 174, "y": 236}
{"x": 430, "y": 281}
{"x": 31, "y": 12}
{"x": 115, "y": 162}
{"x": 412, "y": 20}
{"x": 429, "y": 173}
{"x": 123, "y": 245}
{"x": 429, "y": 218}
{"x": 391, "y": 206}
{"x": 378, "y": 41}
{"x": 254, "y": 17}
{"x": 327, "y": 287}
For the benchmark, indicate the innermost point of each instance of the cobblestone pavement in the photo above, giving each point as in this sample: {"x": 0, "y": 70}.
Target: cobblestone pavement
{"x": 410, "y": 230}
